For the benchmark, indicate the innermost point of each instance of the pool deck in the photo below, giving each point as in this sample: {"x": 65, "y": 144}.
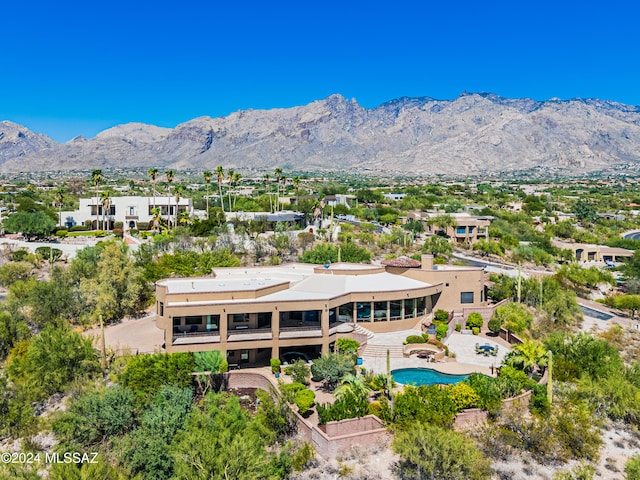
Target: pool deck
{"x": 466, "y": 361}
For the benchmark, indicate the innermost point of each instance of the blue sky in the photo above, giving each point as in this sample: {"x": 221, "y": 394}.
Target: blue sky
{"x": 72, "y": 68}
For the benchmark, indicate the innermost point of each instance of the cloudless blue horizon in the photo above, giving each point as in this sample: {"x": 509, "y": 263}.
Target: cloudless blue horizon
{"x": 74, "y": 68}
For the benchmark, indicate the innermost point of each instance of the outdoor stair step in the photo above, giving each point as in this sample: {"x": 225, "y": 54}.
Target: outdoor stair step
{"x": 395, "y": 351}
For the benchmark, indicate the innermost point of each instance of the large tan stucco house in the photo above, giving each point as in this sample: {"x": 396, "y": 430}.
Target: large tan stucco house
{"x": 256, "y": 313}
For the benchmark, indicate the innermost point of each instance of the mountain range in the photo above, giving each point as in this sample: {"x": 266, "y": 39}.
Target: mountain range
{"x": 474, "y": 134}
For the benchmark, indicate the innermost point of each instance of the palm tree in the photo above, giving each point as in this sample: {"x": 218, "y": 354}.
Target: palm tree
{"x": 153, "y": 174}
{"x": 59, "y": 195}
{"x": 230, "y": 174}
{"x": 236, "y": 182}
{"x": 156, "y": 218}
{"x": 207, "y": 179}
{"x": 185, "y": 219}
{"x": 177, "y": 192}
{"x": 354, "y": 385}
{"x": 169, "y": 174}
{"x": 278, "y": 174}
{"x": 96, "y": 179}
{"x": 296, "y": 185}
{"x": 267, "y": 177}
{"x": 105, "y": 200}
{"x": 220, "y": 176}
{"x": 283, "y": 179}
{"x": 529, "y": 356}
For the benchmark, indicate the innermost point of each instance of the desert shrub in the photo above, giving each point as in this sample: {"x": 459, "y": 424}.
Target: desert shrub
{"x": 495, "y": 324}
{"x": 289, "y": 390}
{"x": 440, "y": 316}
{"x": 347, "y": 345}
{"x": 632, "y": 468}
{"x": 20, "y": 255}
{"x": 458, "y": 327}
{"x": 143, "y": 226}
{"x": 79, "y": 228}
{"x": 332, "y": 367}
{"x": 428, "y": 451}
{"x": 463, "y": 396}
{"x": 475, "y": 330}
{"x": 348, "y": 405}
{"x": 305, "y": 400}
{"x": 117, "y": 232}
{"x": 441, "y": 331}
{"x": 300, "y": 372}
{"x": 475, "y": 320}
{"x": 415, "y": 339}
{"x": 275, "y": 365}
{"x": 61, "y": 233}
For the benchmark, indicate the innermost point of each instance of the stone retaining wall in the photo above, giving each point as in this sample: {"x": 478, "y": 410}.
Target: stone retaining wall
{"x": 328, "y": 440}
{"x": 474, "y": 416}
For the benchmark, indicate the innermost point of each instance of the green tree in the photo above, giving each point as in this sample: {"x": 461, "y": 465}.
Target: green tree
{"x": 514, "y": 317}
{"x": 51, "y": 360}
{"x": 95, "y": 418}
{"x": 13, "y": 272}
{"x": 584, "y": 211}
{"x": 220, "y": 178}
{"x": 437, "y": 246}
{"x": 431, "y": 452}
{"x": 36, "y": 224}
{"x": 145, "y": 374}
{"x": 332, "y": 367}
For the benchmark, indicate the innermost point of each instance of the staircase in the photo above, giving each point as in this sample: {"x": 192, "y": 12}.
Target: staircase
{"x": 363, "y": 331}
{"x": 395, "y": 351}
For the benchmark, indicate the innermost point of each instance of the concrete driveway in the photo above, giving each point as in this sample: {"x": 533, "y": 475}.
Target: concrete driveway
{"x": 133, "y": 335}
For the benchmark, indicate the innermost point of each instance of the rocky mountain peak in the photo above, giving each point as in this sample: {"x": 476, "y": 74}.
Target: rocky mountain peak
{"x": 473, "y": 133}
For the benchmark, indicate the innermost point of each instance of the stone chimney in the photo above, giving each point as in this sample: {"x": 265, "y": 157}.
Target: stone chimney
{"x": 427, "y": 262}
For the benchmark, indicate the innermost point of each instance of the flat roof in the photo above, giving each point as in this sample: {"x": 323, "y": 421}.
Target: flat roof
{"x": 303, "y": 284}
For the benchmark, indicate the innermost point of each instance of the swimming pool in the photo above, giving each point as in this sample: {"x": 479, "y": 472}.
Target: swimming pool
{"x": 600, "y": 315}
{"x": 424, "y": 376}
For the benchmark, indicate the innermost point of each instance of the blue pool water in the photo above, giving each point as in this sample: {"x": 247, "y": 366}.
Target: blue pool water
{"x": 424, "y": 376}
{"x": 590, "y": 312}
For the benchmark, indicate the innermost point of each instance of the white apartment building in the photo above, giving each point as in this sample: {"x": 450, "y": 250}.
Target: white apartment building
{"x": 128, "y": 210}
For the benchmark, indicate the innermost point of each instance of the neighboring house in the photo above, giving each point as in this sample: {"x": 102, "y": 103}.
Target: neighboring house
{"x": 254, "y": 314}
{"x": 128, "y": 210}
{"x": 396, "y": 197}
{"x": 468, "y": 228}
{"x": 339, "y": 199}
{"x": 594, "y": 253}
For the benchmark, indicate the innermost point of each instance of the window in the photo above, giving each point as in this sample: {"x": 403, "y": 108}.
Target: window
{"x": 461, "y": 230}
{"x": 466, "y": 297}
{"x": 213, "y": 322}
{"x": 160, "y": 309}
{"x": 176, "y": 321}
{"x": 132, "y": 210}
{"x": 193, "y": 320}
{"x": 240, "y": 317}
